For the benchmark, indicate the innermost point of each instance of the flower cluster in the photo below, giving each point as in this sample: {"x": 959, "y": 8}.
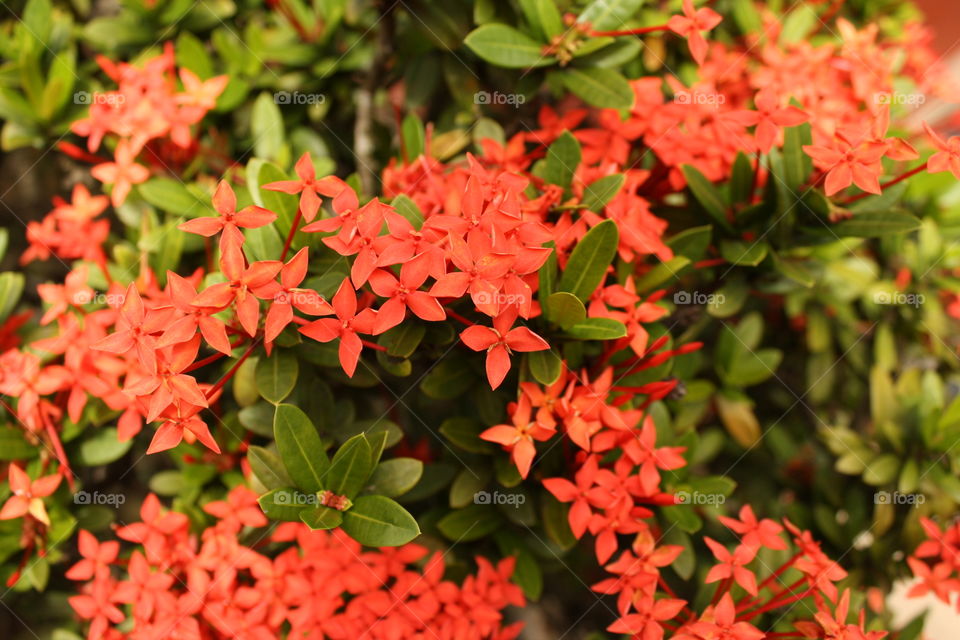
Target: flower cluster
{"x": 319, "y": 584}
{"x": 146, "y": 107}
{"x": 935, "y": 562}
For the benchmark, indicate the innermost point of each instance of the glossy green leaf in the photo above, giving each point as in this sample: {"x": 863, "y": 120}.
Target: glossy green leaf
{"x": 377, "y": 521}
{"x": 300, "y": 448}
{"x": 321, "y": 518}
{"x": 604, "y": 88}
{"x": 350, "y": 467}
{"x": 564, "y": 309}
{"x": 599, "y": 192}
{"x": 563, "y": 157}
{"x": 707, "y": 195}
{"x": 607, "y": 15}
{"x": 545, "y": 366}
{"x": 395, "y": 477}
{"x": 276, "y": 376}
{"x": 268, "y": 468}
{"x": 506, "y": 47}
{"x": 598, "y": 329}
{"x": 587, "y": 267}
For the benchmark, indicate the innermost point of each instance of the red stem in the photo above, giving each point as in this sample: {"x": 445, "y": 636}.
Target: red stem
{"x": 630, "y": 32}
{"x": 908, "y": 174}
{"x": 233, "y": 370}
{"x": 293, "y": 230}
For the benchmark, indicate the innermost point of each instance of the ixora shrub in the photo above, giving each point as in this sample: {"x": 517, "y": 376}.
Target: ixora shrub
{"x": 651, "y": 333}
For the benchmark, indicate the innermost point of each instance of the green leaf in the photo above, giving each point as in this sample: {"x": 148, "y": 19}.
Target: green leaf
{"x": 266, "y": 127}
{"x": 11, "y": 288}
{"x": 587, "y": 266}
{"x": 796, "y": 164}
{"x": 707, "y": 195}
{"x": 882, "y": 470}
{"x": 412, "y": 134}
{"x": 350, "y": 467}
{"x": 465, "y": 433}
{"x": 321, "y": 518}
{"x": 661, "y": 273}
{"x": 793, "y": 269}
{"x": 268, "y": 467}
{"x": 465, "y": 487}
{"x": 746, "y": 16}
{"x": 598, "y": 329}
{"x": 286, "y": 504}
{"x": 13, "y": 446}
{"x": 563, "y": 157}
{"x": 377, "y": 521}
{"x": 470, "y": 523}
{"x": 565, "y": 309}
{"x": 873, "y": 224}
{"x": 741, "y": 181}
{"x": 173, "y": 196}
{"x": 395, "y": 477}
{"x": 692, "y": 243}
{"x": 101, "y": 448}
{"x": 545, "y": 366}
{"x": 604, "y": 88}
{"x": 506, "y": 47}
{"x": 556, "y": 522}
{"x": 408, "y": 209}
{"x": 276, "y": 376}
{"x": 599, "y": 192}
{"x": 300, "y": 448}
{"x": 606, "y": 15}
{"x": 798, "y": 24}
{"x": 449, "y": 379}
{"x": 743, "y": 253}
{"x": 547, "y": 275}
{"x": 403, "y": 340}
{"x": 543, "y": 16}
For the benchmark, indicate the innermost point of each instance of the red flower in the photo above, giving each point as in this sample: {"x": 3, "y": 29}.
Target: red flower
{"x": 229, "y": 220}
{"x": 501, "y": 341}
{"x": 518, "y": 438}
{"x": 732, "y": 565}
{"x": 97, "y": 558}
{"x": 769, "y": 117}
{"x": 345, "y": 326}
{"x": 308, "y": 187}
{"x": 135, "y": 327}
{"x": 947, "y": 157}
{"x": 404, "y": 294}
{"x": 690, "y": 25}
{"x": 27, "y": 495}
{"x": 754, "y": 533}
{"x": 847, "y": 159}
{"x": 243, "y": 286}
{"x": 290, "y": 296}
{"x": 122, "y": 173}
